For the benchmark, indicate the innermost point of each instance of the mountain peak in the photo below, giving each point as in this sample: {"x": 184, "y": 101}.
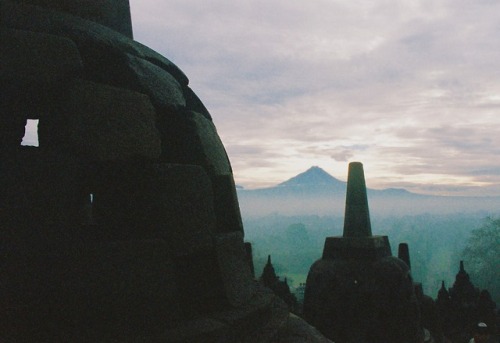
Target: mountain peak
{"x": 313, "y": 176}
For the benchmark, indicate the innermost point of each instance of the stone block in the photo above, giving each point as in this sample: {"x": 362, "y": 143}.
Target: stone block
{"x": 190, "y": 138}
{"x": 201, "y": 289}
{"x": 31, "y": 178}
{"x": 172, "y": 202}
{"x": 161, "y": 61}
{"x": 236, "y": 275}
{"x": 107, "y": 123}
{"x": 107, "y": 64}
{"x": 162, "y": 88}
{"x": 193, "y": 103}
{"x": 31, "y": 57}
{"x": 12, "y": 121}
{"x": 227, "y": 209}
{"x": 186, "y": 215}
{"x": 40, "y": 197}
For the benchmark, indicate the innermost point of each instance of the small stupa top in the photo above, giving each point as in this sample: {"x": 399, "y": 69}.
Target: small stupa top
{"x": 357, "y": 216}
{"x": 114, "y": 14}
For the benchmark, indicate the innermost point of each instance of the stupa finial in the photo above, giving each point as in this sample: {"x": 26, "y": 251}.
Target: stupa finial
{"x": 357, "y": 216}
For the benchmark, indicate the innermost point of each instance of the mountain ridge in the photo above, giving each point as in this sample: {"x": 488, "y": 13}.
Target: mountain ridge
{"x": 315, "y": 191}
{"x": 317, "y": 180}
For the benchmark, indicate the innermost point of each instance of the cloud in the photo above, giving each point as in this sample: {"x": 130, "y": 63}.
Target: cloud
{"x": 417, "y": 84}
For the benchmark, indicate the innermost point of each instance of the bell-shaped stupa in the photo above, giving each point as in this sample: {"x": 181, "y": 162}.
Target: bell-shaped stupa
{"x": 358, "y": 292}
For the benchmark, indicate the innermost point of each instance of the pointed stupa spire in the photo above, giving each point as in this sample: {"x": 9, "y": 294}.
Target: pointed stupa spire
{"x": 404, "y": 253}
{"x": 268, "y": 277}
{"x": 443, "y": 294}
{"x": 357, "y": 216}
{"x": 462, "y": 269}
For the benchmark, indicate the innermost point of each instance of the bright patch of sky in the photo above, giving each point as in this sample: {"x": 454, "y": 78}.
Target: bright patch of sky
{"x": 409, "y": 88}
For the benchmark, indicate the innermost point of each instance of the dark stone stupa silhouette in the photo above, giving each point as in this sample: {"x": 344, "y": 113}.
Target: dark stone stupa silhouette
{"x": 123, "y": 225}
{"x": 358, "y": 292}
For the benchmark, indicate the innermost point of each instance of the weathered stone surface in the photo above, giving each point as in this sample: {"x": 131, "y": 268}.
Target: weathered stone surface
{"x": 159, "y": 254}
{"x": 30, "y": 178}
{"x": 362, "y": 301}
{"x": 298, "y": 330}
{"x": 172, "y": 202}
{"x": 357, "y": 216}
{"x": 227, "y": 209}
{"x": 12, "y": 121}
{"x": 162, "y": 62}
{"x": 82, "y": 32}
{"x": 259, "y": 320}
{"x": 190, "y": 138}
{"x": 111, "y": 285}
{"x": 198, "y": 331}
{"x": 201, "y": 289}
{"x": 107, "y": 64}
{"x": 40, "y": 198}
{"x": 236, "y": 275}
{"x": 162, "y": 88}
{"x": 370, "y": 248}
{"x": 107, "y": 123}
{"x": 358, "y": 292}
{"x": 114, "y": 14}
{"x": 193, "y": 103}
{"x": 28, "y": 57}
{"x": 35, "y": 67}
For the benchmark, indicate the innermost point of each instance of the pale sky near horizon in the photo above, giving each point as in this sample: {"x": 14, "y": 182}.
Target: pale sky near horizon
{"x": 410, "y": 88}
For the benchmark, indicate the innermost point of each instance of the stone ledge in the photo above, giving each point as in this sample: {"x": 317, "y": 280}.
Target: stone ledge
{"x": 357, "y": 247}
{"x": 108, "y": 123}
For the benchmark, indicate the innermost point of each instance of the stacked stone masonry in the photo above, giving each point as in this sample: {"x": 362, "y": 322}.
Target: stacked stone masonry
{"x": 123, "y": 225}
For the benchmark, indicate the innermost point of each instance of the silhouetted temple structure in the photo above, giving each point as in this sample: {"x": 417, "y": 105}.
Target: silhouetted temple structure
{"x": 357, "y": 292}
{"x": 270, "y": 280}
{"x": 463, "y": 306}
{"x": 123, "y": 225}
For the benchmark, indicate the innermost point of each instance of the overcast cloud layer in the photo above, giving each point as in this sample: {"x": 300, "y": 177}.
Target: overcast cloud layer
{"x": 409, "y": 88}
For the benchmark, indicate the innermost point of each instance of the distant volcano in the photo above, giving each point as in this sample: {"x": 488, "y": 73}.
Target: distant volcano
{"x": 314, "y": 177}
{"x": 317, "y": 192}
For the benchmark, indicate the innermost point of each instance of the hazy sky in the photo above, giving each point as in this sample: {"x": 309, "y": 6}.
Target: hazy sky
{"x": 409, "y": 88}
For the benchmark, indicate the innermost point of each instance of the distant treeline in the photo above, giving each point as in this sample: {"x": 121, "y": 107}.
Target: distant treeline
{"x": 436, "y": 242}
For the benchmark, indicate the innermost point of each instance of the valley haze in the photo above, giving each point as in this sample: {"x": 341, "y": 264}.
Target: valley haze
{"x": 315, "y": 192}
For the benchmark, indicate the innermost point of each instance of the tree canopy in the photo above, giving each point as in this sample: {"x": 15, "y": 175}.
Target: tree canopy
{"x": 482, "y": 255}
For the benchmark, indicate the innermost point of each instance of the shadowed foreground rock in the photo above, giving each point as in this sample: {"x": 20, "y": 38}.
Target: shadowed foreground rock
{"x": 123, "y": 225}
